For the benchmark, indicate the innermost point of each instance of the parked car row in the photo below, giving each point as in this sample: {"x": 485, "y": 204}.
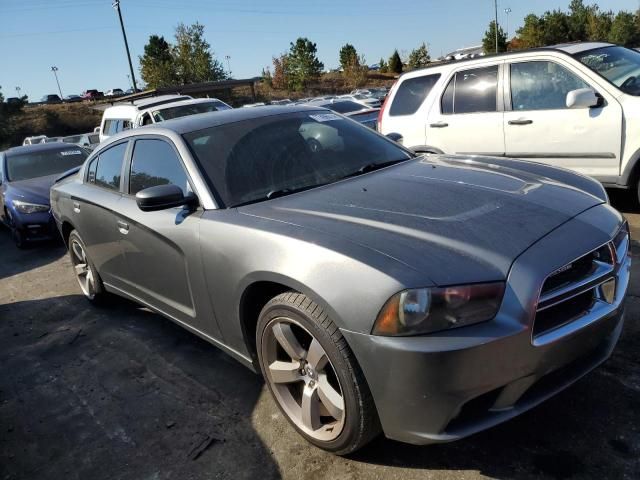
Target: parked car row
{"x": 87, "y": 140}
{"x": 376, "y": 288}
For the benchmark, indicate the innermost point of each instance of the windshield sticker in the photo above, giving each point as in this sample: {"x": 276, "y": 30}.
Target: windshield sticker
{"x": 325, "y": 117}
{"x": 71, "y": 152}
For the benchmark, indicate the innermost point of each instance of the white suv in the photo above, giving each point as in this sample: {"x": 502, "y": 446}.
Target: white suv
{"x": 148, "y": 111}
{"x": 575, "y": 106}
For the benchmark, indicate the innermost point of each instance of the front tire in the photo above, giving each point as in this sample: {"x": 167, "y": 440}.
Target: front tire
{"x": 86, "y": 273}
{"x": 313, "y": 375}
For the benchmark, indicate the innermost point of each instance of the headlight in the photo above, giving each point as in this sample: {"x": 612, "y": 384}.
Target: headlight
{"x": 428, "y": 310}
{"x": 26, "y": 207}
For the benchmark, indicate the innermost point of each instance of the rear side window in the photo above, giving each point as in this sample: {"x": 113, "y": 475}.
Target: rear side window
{"x": 115, "y": 125}
{"x": 109, "y": 168}
{"x": 155, "y": 162}
{"x": 472, "y": 91}
{"x": 411, "y": 93}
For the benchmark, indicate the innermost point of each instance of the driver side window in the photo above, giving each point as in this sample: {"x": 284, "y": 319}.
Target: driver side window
{"x": 541, "y": 86}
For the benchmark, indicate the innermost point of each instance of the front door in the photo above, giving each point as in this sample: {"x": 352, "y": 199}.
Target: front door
{"x": 540, "y": 127}
{"x": 162, "y": 248}
{"x": 469, "y": 119}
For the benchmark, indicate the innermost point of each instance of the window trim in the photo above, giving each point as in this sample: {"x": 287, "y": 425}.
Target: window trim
{"x": 508, "y": 94}
{"x": 500, "y": 89}
{"x": 125, "y": 181}
{"x": 96, "y": 157}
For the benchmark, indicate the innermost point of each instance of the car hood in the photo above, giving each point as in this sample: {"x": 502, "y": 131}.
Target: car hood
{"x": 454, "y": 220}
{"x": 34, "y": 190}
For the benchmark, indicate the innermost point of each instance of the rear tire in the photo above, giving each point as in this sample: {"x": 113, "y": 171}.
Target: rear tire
{"x": 86, "y": 273}
{"x": 313, "y": 375}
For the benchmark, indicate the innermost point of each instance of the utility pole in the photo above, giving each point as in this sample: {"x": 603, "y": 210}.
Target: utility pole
{"x": 495, "y": 4}
{"x": 55, "y": 74}
{"x": 18, "y": 91}
{"x": 116, "y": 5}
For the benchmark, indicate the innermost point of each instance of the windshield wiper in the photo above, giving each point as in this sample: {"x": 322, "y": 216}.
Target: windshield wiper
{"x": 371, "y": 167}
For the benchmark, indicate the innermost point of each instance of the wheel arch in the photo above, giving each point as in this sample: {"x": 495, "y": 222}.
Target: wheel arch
{"x": 426, "y": 149}
{"x": 65, "y": 230}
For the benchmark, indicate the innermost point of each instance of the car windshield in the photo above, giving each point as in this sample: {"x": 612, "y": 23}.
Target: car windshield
{"x": 185, "y": 110}
{"x": 619, "y": 65}
{"x": 258, "y": 159}
{"x": 345, "y": 106}
{"x": 74, "y": 139}
{"x": 23, "y": 166}
{"x": 360, "y": 96}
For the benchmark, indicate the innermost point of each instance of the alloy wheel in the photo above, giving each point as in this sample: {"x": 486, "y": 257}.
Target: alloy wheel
{"x": 303, "y": 379}
{"x": 84, "y": 273}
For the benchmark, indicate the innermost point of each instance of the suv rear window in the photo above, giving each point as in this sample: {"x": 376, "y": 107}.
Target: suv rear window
{"x": 411, "y": 93}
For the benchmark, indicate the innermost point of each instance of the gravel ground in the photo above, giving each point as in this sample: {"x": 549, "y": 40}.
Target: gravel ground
{"x": 121, "y": 393}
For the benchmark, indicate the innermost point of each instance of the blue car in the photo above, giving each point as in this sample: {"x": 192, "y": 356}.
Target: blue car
{"x": 26, "y": 175}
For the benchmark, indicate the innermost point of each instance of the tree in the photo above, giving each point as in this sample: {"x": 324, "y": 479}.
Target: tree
{"x": 192, "y": 56}
{"x": 623, "y": 30}
{"x": 347, "y": 55}
{"x": 599, "y": 24}
{"x": 577, "y": 21}
{"x": 356, "y": 72}
{"x": 530, "y": 34}
{"x": 489, "y": 40}
{"x": 419, "y": 58}
{"x": 383, "y": 66}
{"x": 555, "y": 26}
{"x": 281, "y": 79}
{"x": 395, "y": 63}
{"x": 266, "y": 76}
{"x": 156, "y": 65}
{"x": 303, "y": 63}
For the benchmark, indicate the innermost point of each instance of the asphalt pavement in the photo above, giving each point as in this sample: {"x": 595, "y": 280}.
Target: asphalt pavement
{"x": 121, "y": 393}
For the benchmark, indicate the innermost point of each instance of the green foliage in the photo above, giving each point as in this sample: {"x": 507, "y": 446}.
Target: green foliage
{"x": 303, "y": 65}
{"x": 489, "y": 39}
{"x": 348, "y": 55}
{"x": 395, "y": 63}
{"x": 581, "y": 23}
{"x": 624, "y": 30}
{"x": 157, "y": 67}
{"x": 190, "y": 60}
{"x": 419, "y": 58}
{"x": 281, "y": 79}
{"x": 384, "y": 68}
{"x": 193, "y": 57}
{"x": 266, "y": 76}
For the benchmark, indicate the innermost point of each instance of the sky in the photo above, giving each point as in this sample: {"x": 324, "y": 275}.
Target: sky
{"x": 83, "y": 38}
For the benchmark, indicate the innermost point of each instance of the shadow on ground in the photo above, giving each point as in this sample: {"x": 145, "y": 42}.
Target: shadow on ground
{"x": 120, "y": 392}
{"x": 22, "y": 260}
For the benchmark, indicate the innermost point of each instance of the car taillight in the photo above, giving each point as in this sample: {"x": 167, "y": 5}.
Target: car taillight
{"x": 384, "y": 105}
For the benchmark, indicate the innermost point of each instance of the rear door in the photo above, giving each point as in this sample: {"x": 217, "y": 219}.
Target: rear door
{"x": 469, "y": 118}
{"x": 540, "y": 127}
{"x": 95, "y": 217}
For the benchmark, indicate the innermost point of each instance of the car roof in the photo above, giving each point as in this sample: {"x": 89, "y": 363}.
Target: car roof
{"x": 188, "y": 101}
{"x": 201, "y": 121}
{"x": 39, "y": 147}
{"x": 573, "y": 48}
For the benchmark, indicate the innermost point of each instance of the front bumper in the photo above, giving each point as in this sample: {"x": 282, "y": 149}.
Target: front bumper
{"x": 446, "y": 386}
{"x": 36, "y": 226}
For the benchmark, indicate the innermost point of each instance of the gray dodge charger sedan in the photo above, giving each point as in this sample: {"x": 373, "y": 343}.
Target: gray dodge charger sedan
{"x": 425, "y": 297}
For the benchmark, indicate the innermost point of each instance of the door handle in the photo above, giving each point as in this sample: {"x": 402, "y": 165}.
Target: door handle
{"x": 76, "y": 207}
{"x": 123, "y": 227}
{"x": 439, "y": 125}
{"x": 521, "y": 121}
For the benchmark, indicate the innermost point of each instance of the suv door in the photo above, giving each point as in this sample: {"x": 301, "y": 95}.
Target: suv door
{"x": 162, "y": 248}
{"x": 469, "y": 116}
{"x": 539, "y": 126}
{"x": 96, "y": 219}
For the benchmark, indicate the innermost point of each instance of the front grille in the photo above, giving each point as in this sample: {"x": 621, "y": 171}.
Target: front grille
{"x": 573, "y": 290}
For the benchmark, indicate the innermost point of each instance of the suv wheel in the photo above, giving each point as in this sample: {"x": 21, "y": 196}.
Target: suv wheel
{"x": 313, "y": 375}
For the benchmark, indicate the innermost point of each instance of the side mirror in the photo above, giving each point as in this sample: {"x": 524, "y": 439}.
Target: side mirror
{"x": 162, "y": 197}
{"x": 396, "y": 137}
{"x": 582, "y": 98}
